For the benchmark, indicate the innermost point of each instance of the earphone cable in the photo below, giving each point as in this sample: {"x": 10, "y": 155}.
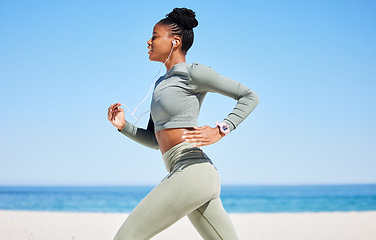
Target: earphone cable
{"x": 151, "y": 87}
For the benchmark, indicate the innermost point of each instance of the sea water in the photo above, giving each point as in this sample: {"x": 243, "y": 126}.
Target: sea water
{"x": 245, "y": 199}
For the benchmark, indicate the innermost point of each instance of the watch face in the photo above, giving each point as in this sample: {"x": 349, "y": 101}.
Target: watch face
{"x": 224, "y": 128}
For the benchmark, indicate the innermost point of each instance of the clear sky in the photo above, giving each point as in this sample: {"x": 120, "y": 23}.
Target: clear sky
{"x": 312, "y": 63}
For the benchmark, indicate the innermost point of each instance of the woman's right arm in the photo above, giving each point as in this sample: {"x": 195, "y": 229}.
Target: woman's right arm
{"x": 145, "y": 137}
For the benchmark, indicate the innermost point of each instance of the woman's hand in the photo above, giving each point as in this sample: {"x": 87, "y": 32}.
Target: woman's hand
{"x": 203, "y": 135}
{"x": 116, "y": 115}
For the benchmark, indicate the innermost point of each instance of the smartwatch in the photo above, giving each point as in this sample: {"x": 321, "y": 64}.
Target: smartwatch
{"x": 223, "y": 127}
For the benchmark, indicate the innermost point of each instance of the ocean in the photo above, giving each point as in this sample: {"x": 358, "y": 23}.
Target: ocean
{"x": 236, "y": 199}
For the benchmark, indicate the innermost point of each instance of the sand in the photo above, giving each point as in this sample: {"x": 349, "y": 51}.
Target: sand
{"x": 23, "y": 225}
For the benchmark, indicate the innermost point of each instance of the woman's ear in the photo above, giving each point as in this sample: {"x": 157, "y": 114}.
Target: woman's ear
{"x": 176, "y": 42}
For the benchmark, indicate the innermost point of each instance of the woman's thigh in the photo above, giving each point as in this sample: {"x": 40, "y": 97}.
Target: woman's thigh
{"x": 212, "y": 221}
{"x": 180, "y": 193}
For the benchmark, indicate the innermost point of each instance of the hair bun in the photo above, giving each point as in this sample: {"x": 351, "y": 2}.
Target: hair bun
{"x": 183, "y": 17}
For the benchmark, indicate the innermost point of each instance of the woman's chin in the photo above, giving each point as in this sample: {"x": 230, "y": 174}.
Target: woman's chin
{"x": 151, "y": 58}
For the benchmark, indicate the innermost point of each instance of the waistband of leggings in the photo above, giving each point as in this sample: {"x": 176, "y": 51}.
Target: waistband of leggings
{"x": 180, "y": 152}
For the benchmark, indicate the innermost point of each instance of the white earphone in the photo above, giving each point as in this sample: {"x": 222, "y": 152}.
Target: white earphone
{"x": 174, "y": 42}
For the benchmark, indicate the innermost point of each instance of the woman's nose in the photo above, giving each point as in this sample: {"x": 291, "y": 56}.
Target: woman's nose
{"x": 149, "y": 42}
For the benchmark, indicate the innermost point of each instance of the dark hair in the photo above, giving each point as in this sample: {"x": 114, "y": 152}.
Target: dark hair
{"x": 181, "y": 22}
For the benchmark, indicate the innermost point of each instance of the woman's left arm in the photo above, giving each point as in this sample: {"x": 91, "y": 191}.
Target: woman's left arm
{"x": 206, "y": 79}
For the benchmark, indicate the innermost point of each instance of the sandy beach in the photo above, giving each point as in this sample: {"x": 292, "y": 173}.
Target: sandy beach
{"x": 20, "y": 225}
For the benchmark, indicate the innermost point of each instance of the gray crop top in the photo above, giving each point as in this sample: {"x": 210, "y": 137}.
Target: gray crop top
{"x": 177, "y": 99}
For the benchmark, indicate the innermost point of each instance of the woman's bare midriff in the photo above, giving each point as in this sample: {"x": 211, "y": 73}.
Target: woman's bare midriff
{"x": 167, "y": 138}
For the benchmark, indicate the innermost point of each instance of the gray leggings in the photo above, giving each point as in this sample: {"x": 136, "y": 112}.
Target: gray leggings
{"x": 191, "y": 188}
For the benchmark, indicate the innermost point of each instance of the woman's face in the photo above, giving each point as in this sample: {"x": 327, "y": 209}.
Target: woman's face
{"x": 160, "y": 44}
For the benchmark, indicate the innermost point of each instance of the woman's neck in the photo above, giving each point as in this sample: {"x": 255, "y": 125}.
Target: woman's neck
{"x": 175, "y": 59}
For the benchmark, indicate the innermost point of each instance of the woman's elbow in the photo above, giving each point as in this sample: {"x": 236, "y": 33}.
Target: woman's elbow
{"x": 252, "y": 97}
{"x": 255, "y": 98}
{"x": 155, "y": 146}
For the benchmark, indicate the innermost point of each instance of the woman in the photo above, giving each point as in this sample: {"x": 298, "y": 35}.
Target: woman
{"x": 192, "y": 186}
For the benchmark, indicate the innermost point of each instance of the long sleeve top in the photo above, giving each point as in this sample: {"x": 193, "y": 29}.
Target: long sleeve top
{"x": 178, "y": 96}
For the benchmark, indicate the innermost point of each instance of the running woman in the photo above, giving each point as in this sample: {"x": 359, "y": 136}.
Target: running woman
{"x": 192, "y": 186}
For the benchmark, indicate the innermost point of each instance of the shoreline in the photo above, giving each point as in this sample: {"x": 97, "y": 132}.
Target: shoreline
{"x": 230, "y": 213}
{"x": 47, "y": 225}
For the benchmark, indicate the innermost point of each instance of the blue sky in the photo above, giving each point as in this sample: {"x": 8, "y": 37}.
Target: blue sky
{"x": 312, "y": 63}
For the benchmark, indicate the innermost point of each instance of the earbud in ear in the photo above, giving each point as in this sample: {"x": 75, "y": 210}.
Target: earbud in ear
{"x": 174, "y": 42}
